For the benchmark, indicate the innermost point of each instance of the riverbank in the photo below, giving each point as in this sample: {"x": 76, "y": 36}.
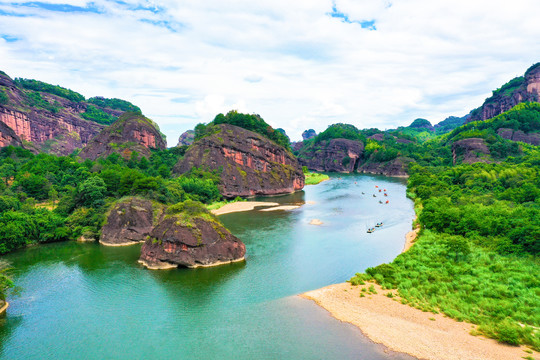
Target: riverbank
{"x": 402, "y": 328}
{"x": 242, "y": 206}
{"x": 3, "y": 307}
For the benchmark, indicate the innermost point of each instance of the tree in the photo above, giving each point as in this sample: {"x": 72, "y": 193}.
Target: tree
{"x": 92, "y": 192}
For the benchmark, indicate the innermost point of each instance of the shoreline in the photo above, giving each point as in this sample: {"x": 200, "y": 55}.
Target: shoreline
{"x": 121, "y": 244}
{"x": 242, "y": 206}
{"x": 402, "y": 328}
{"x": 4, "y": 308}
{"x": 167, "y": 266}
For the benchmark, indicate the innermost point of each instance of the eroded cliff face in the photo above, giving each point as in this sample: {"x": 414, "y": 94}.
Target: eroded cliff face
{"x": 131, "y": 132}
{"x": 396, "y": 167}
{"x": 527, "y": 90}
{"x": 518, "y": 135}
{"x": 129, "y": 222}
{"x": 249, "y": 163}
{"x": 181, "y": 240}
{"x": 470, "y": 151}
{"x": 8, "y": 136}
{"x": 59, "y": 132}
{"x": 336, "y": 155}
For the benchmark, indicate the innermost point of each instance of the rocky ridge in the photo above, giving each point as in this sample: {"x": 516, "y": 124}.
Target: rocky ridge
{"x": 518, "y": 90}
{"x": 131, "y": 132}
{"x": 250, "y": 164}
{"x": 58, "y": 130}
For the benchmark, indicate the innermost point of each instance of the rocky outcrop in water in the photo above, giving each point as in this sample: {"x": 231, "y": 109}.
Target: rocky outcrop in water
{"x": 250, "y": 164}
{"x": 518, "y": 135}
{"x": 130, "y": 221}
{"x": 336, "y": 155}
{"x": 187, "y": 138}
{"x": 190, "y": 239}
{"x": 8, "y": 136}
{"x": 518, "y": 90}
{"x": 132, "y": 132}
{"x": 470, "y": 151}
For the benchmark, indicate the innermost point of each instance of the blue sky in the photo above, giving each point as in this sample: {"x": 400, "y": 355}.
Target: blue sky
{"x": 300, "y": 65}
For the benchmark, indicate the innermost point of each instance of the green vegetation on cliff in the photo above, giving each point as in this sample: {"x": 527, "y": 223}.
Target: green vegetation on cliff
{"x": 37, "y": 85}
{"x": 253, "y": 123}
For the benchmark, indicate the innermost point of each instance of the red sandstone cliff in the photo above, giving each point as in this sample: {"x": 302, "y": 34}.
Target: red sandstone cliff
{"x": 59, "y": 130}
{"x": 131, "y": 132}
{"x": 522, "y": 89}
{"x": 8, "y": 136}
{"x": 250, "y": 164}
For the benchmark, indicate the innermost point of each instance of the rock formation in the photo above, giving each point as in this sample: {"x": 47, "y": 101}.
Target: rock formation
{"x": 250, "y": 164}
{"x": 190, "y": 239}
{"x": 58, "y": 131}
{"x": 8, "y": 136}
{"x": 470, "y": 150}
{"x": 339, "y": 155}
{"x": 129, "y": 222}
{"x": 521, "y": 89}
{"x": 131, "y": 132}
{"x": 186, "y": 138}
{"x": 308, "y": 134}
{"x": 396, "y": 167}
{"x": 518, "y": 135}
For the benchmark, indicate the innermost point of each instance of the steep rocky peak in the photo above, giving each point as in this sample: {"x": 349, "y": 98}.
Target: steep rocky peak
{"x": 131, "y": 132}
{"x": 250, "y": 164}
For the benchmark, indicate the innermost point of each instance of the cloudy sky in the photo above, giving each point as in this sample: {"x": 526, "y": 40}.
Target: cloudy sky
{"x": 299, "y": 64}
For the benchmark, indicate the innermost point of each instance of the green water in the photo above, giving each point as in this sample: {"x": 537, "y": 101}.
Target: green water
{"x": 86, "y": 301}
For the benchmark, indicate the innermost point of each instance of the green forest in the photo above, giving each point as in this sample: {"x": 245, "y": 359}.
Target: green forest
{"x": 45, "y": 198}
{"x": 476, "y": 256}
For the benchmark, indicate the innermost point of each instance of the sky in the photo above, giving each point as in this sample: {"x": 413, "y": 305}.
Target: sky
{"x": 299, "y": 64}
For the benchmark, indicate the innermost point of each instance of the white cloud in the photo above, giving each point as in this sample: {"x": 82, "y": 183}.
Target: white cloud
{"x": 290, "y": 62}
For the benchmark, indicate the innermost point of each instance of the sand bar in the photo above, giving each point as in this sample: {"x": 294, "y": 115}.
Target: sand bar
{"x": 242, "y": 206}
{"x": 282, "y": 207}
{"x": 408, "y": 330}
{"x": 4, "y": 308}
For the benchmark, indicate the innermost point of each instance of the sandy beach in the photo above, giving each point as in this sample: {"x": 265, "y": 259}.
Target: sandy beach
{"x": 242, "y": 206}
{"x": 406, "y": 329}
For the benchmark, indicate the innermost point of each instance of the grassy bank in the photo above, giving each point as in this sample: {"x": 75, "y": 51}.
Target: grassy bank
{"x": 315, "y": 178}
{"x": 476, "y": 258}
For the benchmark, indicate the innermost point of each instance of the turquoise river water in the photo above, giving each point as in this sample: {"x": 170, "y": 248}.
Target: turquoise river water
{"x": 86, "y": 301}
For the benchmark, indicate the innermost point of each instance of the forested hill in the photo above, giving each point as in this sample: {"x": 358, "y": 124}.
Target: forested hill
{"x": 250, "y": 122}
{"x": 53, "y": 119}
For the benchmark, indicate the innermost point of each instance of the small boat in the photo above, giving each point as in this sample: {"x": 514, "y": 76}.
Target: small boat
{"x": 363, "y": 193}
{"x": 380, "y": 202}
{"x": 387, "y": 201}
{"x": 385, "y": 194}
{"x": 371, "y": 230}
{"x": 374, "y": 195}
{"x": 380, "y": 190}
{"x": 376, "y": 186}
{"x": 379, "y": 224}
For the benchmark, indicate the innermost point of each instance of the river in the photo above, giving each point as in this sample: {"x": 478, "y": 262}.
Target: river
{"x": 87, "y": 301}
